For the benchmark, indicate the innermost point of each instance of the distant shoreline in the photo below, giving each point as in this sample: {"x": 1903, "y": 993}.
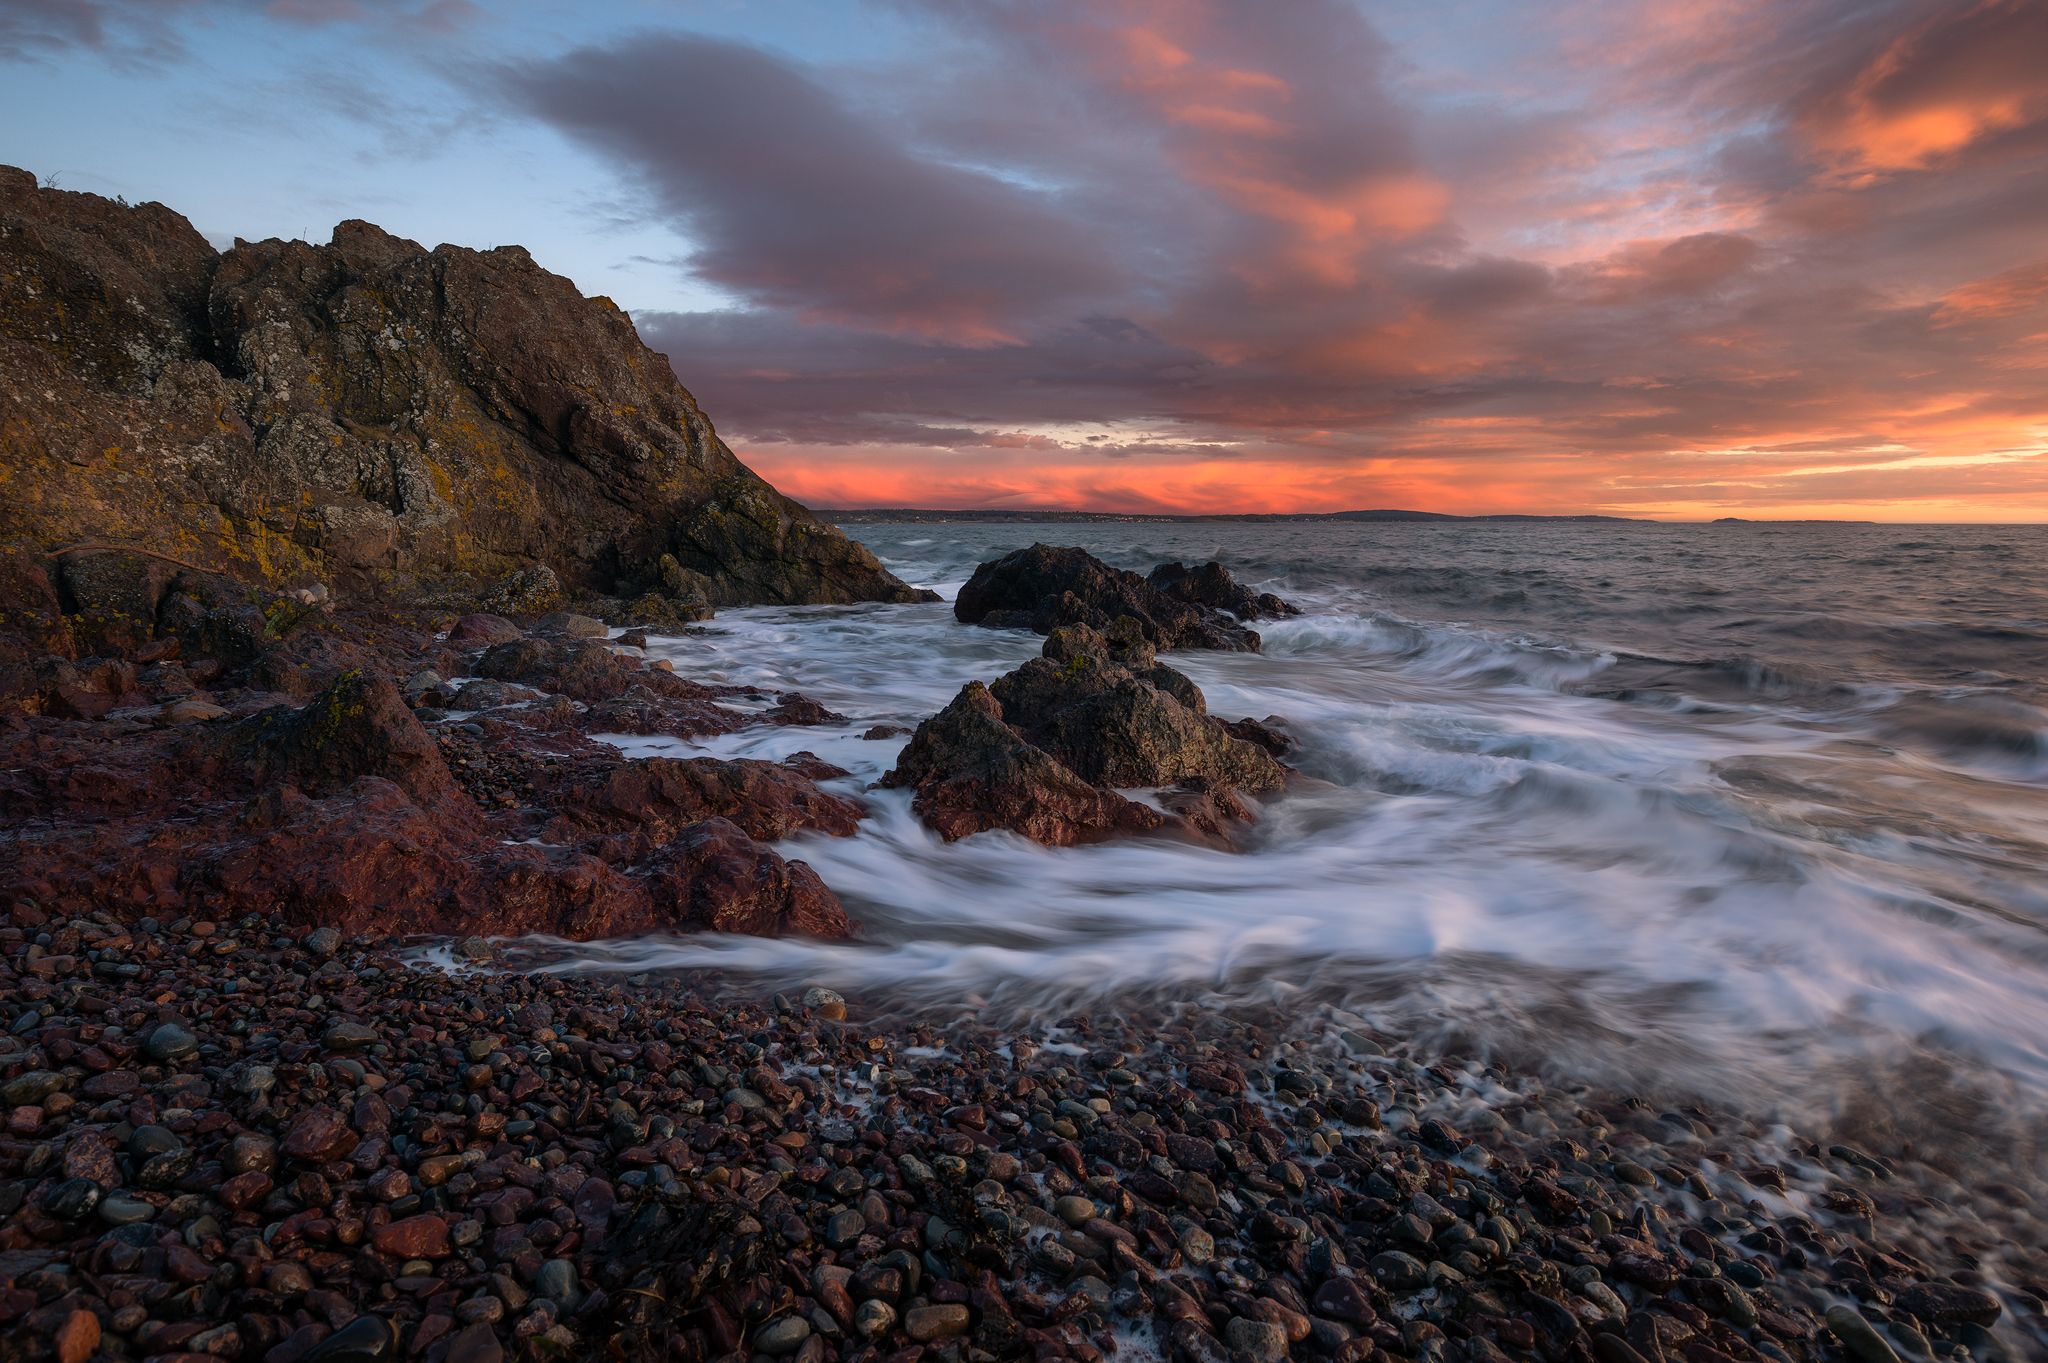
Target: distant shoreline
{"x": 999, "y": 515}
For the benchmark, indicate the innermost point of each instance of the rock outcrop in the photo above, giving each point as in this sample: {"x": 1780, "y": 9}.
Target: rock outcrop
{"x": 1044, "y": 587}
{"x": 373, "y": 415}
{"x": 1048, "y": 749}
{"x": 1210, "y": 584}
{"x": 136, "y": 793}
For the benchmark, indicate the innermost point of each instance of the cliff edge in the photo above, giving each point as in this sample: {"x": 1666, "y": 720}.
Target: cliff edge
{"x": 372, "y": 415}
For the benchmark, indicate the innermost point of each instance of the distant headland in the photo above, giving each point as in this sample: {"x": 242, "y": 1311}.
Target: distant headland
{"x": 1034, "y": 515}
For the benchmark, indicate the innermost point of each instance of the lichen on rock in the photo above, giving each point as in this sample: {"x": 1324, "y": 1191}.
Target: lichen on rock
{"x": 366, "y": 412}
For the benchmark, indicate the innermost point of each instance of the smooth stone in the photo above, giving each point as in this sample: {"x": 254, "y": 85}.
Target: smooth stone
{"x": 33, "y": 1087}
{"x": 1258, "y": 1340}
{"x": 366, "y": 1339}
{"x": 572, "y": 625}
{"x": 256, "y": 1080}
{"x": 1948, "y": 1303}
{"x": 1399, "y": 1270}
{"x": 190, "y": 710}
{"x": 287, "y": 1279}
{"x": 557, "y": 1281}
{"x": 1859, "y": 1336}
{"x": 72, "y": 1200}
{"x": 117, "y": 1210}
{"x": 170, "y": 1042}
{"x": 1075, "y": 1211}
{"x": 872, "y": 1319}
{"x": 928, "y": 1323}
{"x": 78, "y": 1338}
{"x": 826, "y": 1003}
{"x": 784, "y": 1335}
{"x": 476, "y": 1343}
{"x": 349, "y": 1036}
{"x": 150, "y": 1141}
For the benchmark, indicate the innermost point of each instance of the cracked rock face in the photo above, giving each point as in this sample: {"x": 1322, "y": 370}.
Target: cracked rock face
{"x": 369, "y": 413}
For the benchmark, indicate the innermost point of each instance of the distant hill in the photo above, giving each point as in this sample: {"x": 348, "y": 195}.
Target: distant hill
{"x": 886, "y": 515}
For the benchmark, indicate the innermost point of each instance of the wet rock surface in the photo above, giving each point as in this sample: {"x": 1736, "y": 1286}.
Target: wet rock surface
{"x": 367, "y": 771}
{"x": 1048, "y": 749}
{"x": 335, "y": 1154}
{"x": 1210, "y": 584}
{"x": 382, "y": 417}
{"x": 1044, "y": 587}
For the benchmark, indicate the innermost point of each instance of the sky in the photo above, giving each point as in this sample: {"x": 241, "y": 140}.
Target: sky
{"x": 1668, "y": 258}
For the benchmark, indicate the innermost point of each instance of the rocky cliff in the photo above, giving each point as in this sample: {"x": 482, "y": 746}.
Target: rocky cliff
{"x": 371, "y": 414}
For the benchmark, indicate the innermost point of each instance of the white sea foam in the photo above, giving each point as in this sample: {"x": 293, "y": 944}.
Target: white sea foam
{"x": 1487, "y": 843}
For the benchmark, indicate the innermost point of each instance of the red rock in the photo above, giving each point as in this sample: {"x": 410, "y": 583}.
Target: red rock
{"x": 658, "y": 796}
{"x": 416, "y": 1237}
{"x": 244, "y": 1190}
{"x": 509, "y": 415}
{"x": 78, "y": 1337}
{"x": 320, "y": 1135}
{"x": 714, "y": 876}
{"x": 481, "y": 631}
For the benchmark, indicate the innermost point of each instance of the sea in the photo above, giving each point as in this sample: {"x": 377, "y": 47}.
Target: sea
{"x": 1754, "y": 813}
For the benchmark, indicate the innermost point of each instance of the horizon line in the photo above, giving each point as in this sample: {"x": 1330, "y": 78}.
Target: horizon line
{"x": 1393, "y": 514}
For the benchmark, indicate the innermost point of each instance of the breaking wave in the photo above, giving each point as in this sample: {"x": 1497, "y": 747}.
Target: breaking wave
{"x": 1752, "y": 870}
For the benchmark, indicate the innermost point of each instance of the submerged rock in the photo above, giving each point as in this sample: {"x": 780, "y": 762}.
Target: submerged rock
{"x": 1046, "y": 750}
{"x": 1044, "y": 587}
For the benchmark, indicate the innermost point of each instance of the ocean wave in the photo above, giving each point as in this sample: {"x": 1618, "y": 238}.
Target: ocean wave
{"x": 1777, "y": 864}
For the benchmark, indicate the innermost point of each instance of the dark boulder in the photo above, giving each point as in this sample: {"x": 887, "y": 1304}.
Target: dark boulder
{"x": 482, "y": 631}
{"x": 113, "y": 598}
{"x": 360, "y": 726}
{"x": 796, "y": 710}
{"x": 1114, "y": 727}
{"x": 673, "y": 711}
{"x": 1046, "y": 750}
{"x": 972, "y": 772}
{"x": 1262, "y": 733}
{"x": 33, "y": 625}
{"x": 1043, "y": 587}
{"x": 1210, "y": 584}
{"x": 582, "y": 669}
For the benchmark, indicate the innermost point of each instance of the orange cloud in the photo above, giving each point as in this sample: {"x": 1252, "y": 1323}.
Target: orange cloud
{"x": 1966, "y": 74}
{"x": 2000, "y": 295}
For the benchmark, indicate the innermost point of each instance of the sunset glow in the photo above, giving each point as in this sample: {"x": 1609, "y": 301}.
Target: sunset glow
{"x": 1762, "y": 257}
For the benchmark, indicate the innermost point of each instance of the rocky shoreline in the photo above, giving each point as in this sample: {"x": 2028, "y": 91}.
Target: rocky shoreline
{"x": 324, "y": 581}
{"x": 247, "y": 1119}
{"x": 236, "y": 1141}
